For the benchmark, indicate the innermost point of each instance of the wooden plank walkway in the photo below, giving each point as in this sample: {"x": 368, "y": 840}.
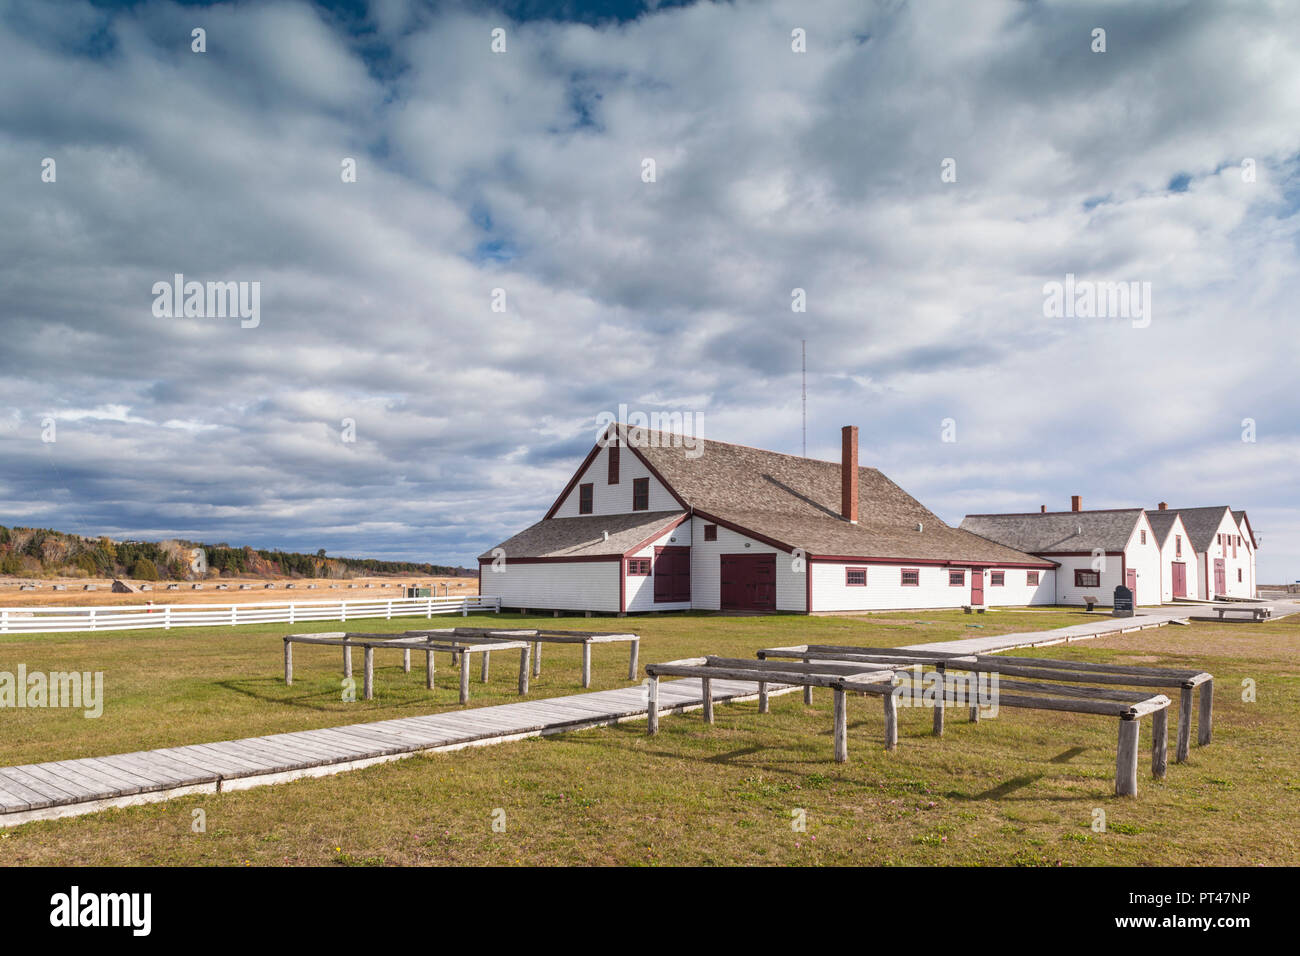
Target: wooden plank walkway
{"x": 70, "y": 787}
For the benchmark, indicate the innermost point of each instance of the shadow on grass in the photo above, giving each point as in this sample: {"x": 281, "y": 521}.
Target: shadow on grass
{"x": 326, "y": 702}
{"x": 1069, "y": 755}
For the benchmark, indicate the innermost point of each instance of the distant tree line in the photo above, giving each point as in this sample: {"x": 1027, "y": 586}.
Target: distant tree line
{"x": 33, "y": 551}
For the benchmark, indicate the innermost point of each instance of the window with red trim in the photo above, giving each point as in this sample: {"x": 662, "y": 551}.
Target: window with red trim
{"x": 638, "y": 566}
{"x": 1084, "y": 578}
{"x": 1178, "y": 545}
{"x": 910, "y": 578}
{"x": 855, "y": 577}
{"x": 1144, "y": 537}
{"x": 710, "y": 532}
{"x": 956, "y": 579}
{"x": 1031, "y": 578}
{"x": 613, "y": 464}
{"x": 586, "y": 495}
{"x": 640, "y": 494}
{"x": 997, "y": 579}
{"x": 1239, "y": 575}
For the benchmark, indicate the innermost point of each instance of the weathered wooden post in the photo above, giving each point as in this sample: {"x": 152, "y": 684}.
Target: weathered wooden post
{"x": 288, "y": 662}
{"x": 841, "y": 727}
{"x": 586, "y": 664}
{"x": 1160, "y": 743}
{"x": 1205, "y": 725}
{"x": 631, "y": 665}
{"x": 537, "y": 658}
{"x": 483, "y": 670}
{"x": 464, "y": 676}
{"x": 370, "y": 673}
{"x": 941, "y": 701}
{"x": 891, "y": 721}
{"x": 1126, "y": 758}
{"x": 347, "y": 659}
{"x": 524, "y": 663}
{"x": 406, "y": 660}
{"x": 652, "y": 702}
{"x": 807, "y": 695}
{"x": 706, "y": 687}
{"x": 762, "y": 697}
{"x": 428, "y": 669}
{"x": 1184, "y": 725}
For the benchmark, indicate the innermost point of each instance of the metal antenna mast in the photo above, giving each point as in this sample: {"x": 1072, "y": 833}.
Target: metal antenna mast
{"x": 803, "y": 348}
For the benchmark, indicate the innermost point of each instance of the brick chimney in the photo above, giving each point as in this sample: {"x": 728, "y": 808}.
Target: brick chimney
{"x": 1042, "y": 509}
{"x": 1162, "y": 506}
{"x": 849, "y": 473}
{"x": 1076, "y": 503}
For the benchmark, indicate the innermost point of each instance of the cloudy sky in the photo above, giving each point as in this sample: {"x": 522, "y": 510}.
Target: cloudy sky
{"x": 1172, "y": 158}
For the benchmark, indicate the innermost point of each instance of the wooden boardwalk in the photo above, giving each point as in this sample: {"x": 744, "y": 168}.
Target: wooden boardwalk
{"x": 69, "y": 787}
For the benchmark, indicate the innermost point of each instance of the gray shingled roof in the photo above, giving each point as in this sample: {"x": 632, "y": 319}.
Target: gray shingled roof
{"x": 1202, "y": 524}
{"x": 796, "y": 501}
{"x": 1057, "y": 531}
{"x": 1162, "y": 522}
{"x": 1240, "y": 515}
{"x": 584, "y": 536}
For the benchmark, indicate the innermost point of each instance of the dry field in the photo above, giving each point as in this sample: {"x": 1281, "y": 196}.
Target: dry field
{"x": 326, "y": 590}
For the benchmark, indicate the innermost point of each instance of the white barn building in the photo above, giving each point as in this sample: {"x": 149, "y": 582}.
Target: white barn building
{"x": 1180, "y": 569}
{"x": 1096, "y": 551}
{"x": 1225, "y": 550}
{"x": 651, "y": 521}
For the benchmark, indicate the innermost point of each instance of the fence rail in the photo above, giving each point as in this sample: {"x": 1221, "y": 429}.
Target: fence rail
{"x": 37, "y": 620}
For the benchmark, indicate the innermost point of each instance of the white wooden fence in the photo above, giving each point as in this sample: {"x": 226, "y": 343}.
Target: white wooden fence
{"x": 34, "y": 620}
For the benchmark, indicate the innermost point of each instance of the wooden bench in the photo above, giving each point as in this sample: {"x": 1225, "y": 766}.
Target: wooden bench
{"x": 1254, "y": 613}
{"x": 1064, "y": 694}
{"x": 540, "y": 636}
{"x": 1034, "y": 668}
{"x": 840, "y": 678}
{"x": 458, "y": 649}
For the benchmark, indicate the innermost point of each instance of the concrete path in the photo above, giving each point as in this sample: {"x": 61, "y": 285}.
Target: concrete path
{"x": 70, "y": 787}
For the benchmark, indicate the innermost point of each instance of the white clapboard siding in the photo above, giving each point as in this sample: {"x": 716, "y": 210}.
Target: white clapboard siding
{"x": 39, "y": 620}
{"x": 556, "y": 585}
{"x": 884, "y": 589}
{"x": 616, "y": 499}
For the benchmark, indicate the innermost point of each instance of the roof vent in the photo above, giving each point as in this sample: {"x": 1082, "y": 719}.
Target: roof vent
{"x": 1078, "y": 529}
{"x": 920, "y": 526}
{"x": 606, "y": 534}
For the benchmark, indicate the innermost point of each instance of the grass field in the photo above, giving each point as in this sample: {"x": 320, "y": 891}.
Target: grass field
{"x": 1019, "y": 789}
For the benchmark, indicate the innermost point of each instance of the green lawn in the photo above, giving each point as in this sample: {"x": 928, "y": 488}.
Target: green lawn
{"x": 1022, "y": 788}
